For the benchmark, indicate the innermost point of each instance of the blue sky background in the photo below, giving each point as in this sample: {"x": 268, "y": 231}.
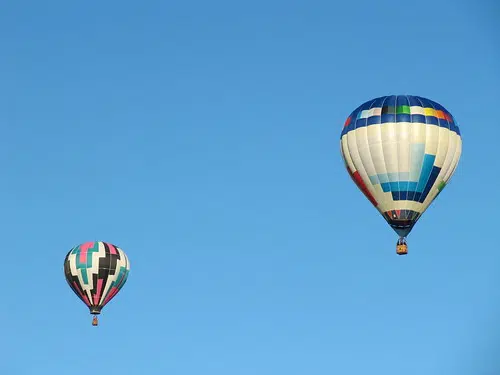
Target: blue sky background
{"x": 203, "y": 138}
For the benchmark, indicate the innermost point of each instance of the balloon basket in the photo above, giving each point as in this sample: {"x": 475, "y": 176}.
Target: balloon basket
{"x": 402, "y": 249}
{"x": 95, "y": 321}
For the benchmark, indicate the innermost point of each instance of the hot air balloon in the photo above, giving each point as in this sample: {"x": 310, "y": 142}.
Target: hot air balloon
{"x": 96, "y": 271}
{"x": 401, "y": 151}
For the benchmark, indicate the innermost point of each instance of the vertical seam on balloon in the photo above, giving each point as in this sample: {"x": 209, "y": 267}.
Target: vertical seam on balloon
{"x": 457, "y": 154}
{"x": 346, "y": 150}
{"x": 95, "y": 263}
{"x": 103, "y": 286}
{"x": 371, "y": 156}
{"x": 127, "y": 267}
{"x": 397, "y": 151}
{"x": 360, "y": 166}
{"x": 398, "y": 142}
{"x": 423, "y": 159}
{"x": 79, "y": 275}
{"x": 382, "y": 147}
{"x": 458, "y": 150}
{"x": 106, "y": 289}
{"x": 410, "y": 127}
{"x": 443, "y": 170}
{"x": 411, "y": 203}
{"x": 104, "y": 245}
{"x": 90, "y": 276}
{"x": 107, "y": 286}
{"x": 452, "y": 167}
{"x": 437, "y": 149}
{"x": 450, "y": 139}
{"x": 445, "y": 154}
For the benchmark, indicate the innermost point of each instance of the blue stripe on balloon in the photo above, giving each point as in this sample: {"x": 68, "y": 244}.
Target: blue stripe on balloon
{"x": 426, "y": 172}
{"x": 432, "y": 179}
{"x": 392, "y": 101}
{"x": 391, "y": 118}
{"x": 373, "y": 120}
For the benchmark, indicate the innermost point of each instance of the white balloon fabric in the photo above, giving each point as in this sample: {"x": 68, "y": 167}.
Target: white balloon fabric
{"x": 401, "y": 151}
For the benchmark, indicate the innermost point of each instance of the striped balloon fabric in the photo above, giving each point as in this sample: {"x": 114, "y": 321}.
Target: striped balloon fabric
{"x": 96, "y": 271}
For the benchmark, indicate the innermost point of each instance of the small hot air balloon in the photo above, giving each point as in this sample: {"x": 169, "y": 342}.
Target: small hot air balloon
{"x": 401, "y": 151}
{"x": 96, "y": 271}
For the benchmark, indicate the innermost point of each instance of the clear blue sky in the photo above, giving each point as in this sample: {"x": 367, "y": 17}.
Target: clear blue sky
{"x": 203, "y": 138}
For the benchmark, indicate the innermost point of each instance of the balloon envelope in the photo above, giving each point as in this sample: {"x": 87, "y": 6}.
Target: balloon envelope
{"x": 96, "y": 271}
{"x": 401, "y": 151}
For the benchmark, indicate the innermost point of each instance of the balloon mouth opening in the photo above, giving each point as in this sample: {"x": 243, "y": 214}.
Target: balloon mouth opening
{"x": 95, "y": 310}
{"x": 402, "y": 232}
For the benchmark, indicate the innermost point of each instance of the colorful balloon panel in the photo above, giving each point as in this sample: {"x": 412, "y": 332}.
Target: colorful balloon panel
{"x": 96, "y": 271}
{"x": 401, "y": 151}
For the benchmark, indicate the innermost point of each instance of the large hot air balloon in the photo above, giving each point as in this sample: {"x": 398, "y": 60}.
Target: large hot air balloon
{"x": 401, "y": 151}
{"x": 96, "y": 271}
